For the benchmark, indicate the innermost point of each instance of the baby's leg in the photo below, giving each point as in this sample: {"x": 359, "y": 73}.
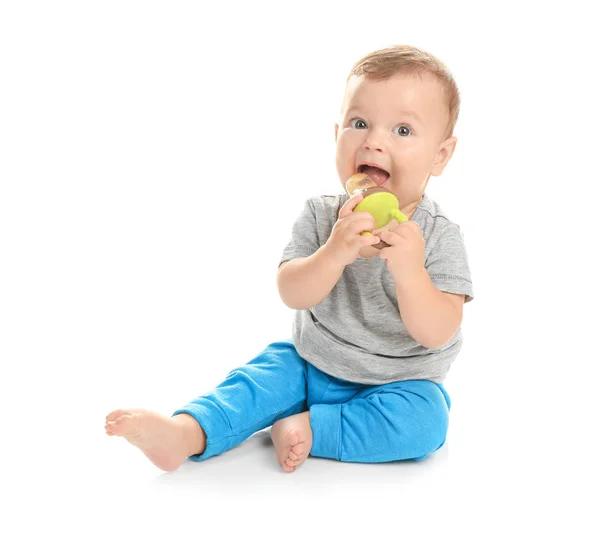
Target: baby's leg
{"x": 252, "y": 397}
{"x": 166, "y": 442}
{"x": 398, "y": 421}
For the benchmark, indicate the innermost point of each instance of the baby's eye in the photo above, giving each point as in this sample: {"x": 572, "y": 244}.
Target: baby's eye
{"x": 403, "y": 130}
{"x": 359, "y": 124}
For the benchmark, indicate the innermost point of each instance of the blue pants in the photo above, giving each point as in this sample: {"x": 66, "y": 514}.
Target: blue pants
{"x": 350, "y": 422}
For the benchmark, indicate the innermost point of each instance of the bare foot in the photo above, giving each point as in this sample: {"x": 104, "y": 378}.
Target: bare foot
{"x": 167, "y": 442}
{"x": 292, "y": 438}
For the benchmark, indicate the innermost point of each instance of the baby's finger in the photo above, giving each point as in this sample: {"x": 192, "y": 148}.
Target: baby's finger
{"x": 412, "y": 226}
{"x": 364, "y": 222}
{"x": 389, "y": 237}
{"x": 368, "y": 240}
{"x": 349, "y": 205}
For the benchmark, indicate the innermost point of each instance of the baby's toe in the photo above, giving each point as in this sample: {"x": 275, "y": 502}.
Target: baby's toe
{"x": 288, "y": 468}
{"x": 299, "y": 449}
{"x": 113, "y": 416}
{"x": 293, "y": 438}
{"x": 126, "y": 425}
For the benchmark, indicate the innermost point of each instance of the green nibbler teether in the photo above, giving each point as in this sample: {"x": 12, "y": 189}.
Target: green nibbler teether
{"x": 377, "y": 201}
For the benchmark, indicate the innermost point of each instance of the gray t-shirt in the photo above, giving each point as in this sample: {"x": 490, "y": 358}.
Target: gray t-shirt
{"x": 356, "y": 333}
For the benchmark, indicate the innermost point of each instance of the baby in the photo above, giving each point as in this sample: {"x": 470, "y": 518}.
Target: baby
{"x": 375, "y": 330}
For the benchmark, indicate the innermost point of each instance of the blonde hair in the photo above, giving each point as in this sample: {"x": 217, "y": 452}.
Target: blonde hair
{"x": 404, "y": 59}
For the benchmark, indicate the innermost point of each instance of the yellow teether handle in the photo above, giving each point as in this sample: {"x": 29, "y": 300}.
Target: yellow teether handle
{"x": 399, "y": 216}
{"x": 366, "y": 233}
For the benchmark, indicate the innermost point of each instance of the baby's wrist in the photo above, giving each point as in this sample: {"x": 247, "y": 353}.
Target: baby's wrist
{"x": 328, "y": 256}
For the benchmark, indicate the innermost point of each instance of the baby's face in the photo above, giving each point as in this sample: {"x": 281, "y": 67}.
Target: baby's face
{"x": 397, "y": 125}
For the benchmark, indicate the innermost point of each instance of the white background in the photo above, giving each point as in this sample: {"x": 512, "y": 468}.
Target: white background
{"x": 153, "y": 157}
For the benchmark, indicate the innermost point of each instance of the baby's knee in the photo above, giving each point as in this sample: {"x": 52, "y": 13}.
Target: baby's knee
{"x": 433, "y": 432}
{"x": 420, "y": 422}
{"x": 434, "y": 416}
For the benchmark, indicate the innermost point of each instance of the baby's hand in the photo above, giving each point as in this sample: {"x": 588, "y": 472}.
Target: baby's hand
{"x": 345, "y": 241}
{"x": 405, "y": 255}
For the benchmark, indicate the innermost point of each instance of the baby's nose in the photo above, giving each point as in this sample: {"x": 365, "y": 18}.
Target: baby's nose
{"x": 374, "y": 142}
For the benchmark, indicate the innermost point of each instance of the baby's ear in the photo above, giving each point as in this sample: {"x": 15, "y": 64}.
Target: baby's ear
{"x": 443, "y": 156}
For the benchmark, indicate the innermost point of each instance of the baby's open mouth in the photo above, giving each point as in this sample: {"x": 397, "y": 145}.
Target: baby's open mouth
{"x": 379, "y": 176}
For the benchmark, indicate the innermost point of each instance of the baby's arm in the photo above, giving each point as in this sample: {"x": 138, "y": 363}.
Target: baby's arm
{"x": 304, "y": 282}
{"x": 431, "y": 316}
{"x": 431, "y": 302}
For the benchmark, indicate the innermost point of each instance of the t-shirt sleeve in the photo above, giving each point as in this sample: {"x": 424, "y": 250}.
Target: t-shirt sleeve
{"x": 447, "y": 263}
{"x": 304, "y": 241}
